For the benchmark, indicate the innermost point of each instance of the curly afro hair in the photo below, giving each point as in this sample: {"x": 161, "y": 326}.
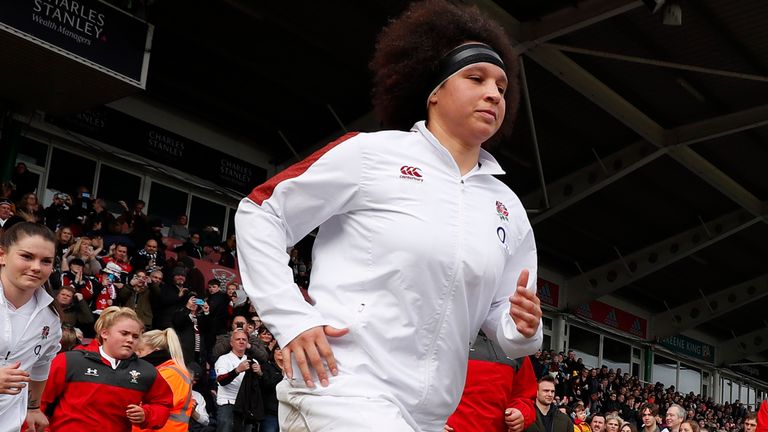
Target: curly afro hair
{"x": 409, "y": 50}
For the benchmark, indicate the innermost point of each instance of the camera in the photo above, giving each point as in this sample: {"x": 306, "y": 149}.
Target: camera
{"x": 239, "y": 325}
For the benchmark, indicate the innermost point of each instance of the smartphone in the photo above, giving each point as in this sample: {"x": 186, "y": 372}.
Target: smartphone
{"x": 85, "y": 195}
{"x": 199, "y": 302}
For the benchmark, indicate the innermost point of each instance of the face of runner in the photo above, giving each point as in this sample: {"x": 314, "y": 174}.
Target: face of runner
{"x": 469, "y": 107}
{"x": 119, "y": 340}
{"x": 26, "y": 265}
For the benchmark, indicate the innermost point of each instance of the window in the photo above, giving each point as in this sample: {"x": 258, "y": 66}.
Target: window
{"x": 204, "y": 213}
{"x": 231, "y": 225}
{"x": 585, "y": 344}
{"x": 69, "y": 171}
{"x": 616, "y": 354}
{"x": 546, "y": 342}
{"x": 690, "y": 379}
{"x": 664, "y": 371}
{"x": 117, "y": 185}
{"x": 726, "y": 390}
{"x": 706, "y": 383}
{"x": 32, "y": 152}
{"x": 166, "y": 203}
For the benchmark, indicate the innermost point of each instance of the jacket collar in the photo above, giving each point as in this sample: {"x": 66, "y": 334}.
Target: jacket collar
{"x": 41, "y": 295}
{"x": 488, "y": 164}
{"x": 96, "y": 356}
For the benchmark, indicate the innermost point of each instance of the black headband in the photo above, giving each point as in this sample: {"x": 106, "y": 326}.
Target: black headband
{"x": 463, "y": 56}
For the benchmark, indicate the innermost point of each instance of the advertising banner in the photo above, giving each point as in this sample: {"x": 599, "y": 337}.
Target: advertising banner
{"x": 157, "y": 144}
{"x": 690, "y": 347}
{"x": 610, "y": 316}
{"x": 90, "y": 31}
{"x": 548, "y": 292}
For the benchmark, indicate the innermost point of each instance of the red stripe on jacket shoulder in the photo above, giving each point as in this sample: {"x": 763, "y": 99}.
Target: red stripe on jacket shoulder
{"x": 262, "y": 192}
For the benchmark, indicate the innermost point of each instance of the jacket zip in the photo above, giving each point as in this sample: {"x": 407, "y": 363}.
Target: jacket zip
{"x": 447, "y": 298}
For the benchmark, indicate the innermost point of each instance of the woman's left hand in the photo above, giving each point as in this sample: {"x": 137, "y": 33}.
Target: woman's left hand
{"x": 525, "y": 307}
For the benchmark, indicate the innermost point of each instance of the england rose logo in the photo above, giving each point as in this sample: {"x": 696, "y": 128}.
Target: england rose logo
{"x": 502, "y": 211}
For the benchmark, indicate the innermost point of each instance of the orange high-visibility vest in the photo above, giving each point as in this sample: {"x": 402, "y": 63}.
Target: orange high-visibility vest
{"x": 181, "y": 386}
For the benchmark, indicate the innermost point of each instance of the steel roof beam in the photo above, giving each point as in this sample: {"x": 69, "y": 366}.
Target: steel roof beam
{"x": 623, "y": 271}
{"x": 719, "y": 126}
{"x": 708, "y": 172}
{"x": 578, "y": 185}
{"x": 600, "y": 94}
{"x": 709, "y": 306}
{"x": 569, "y": 20}
{"x": 585, "y": 83}
{"x": 742, "y": 346}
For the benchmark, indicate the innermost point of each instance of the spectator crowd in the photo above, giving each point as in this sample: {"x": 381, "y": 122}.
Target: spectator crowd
{"x": 128, "y": 259}
{"x": 584, "y": 392}
{"x": 106, "y": 259}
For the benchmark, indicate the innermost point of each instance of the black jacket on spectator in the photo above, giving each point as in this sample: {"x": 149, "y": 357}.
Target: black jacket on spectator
{"x": 560, "y": 421}
{"x": 219, "y": 306}
{"x": 141, "y": 261}
{"x": 168, "y": 303}
{"x": 248, "y": 404}
{"x": 269, "y": 379}
{"x": 56, "y": 216}
{"x": 185, "y": 328}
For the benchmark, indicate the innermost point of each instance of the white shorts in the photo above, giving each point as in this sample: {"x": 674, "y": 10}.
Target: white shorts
{"x": 306, "y": 410}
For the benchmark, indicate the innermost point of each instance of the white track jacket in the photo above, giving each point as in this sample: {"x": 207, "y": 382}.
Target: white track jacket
{"x": 412, "y": 257}
{"x": 35, "y": 349}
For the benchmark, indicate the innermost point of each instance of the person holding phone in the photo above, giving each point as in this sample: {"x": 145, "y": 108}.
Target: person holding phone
{"x": 254, "y": 349}
{"x": 230, "y": 370}
{"x": 139, "y": 295}
{"x": 84, "y": 250}
{"x": 192, "y": 322}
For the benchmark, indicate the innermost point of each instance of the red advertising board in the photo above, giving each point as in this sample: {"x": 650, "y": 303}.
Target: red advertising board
{"x": 548, "y": 292}
{"x": 208, "y": 269}
{"x": 610, "y": 316}
{"x": 215, "y": 271}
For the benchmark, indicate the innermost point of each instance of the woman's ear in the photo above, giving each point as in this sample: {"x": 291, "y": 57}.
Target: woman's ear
{"x": 2, "y": 255}
{"x": 433, "y": 97}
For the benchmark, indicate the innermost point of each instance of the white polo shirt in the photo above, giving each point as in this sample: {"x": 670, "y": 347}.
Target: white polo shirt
{"x": 228, "y": 393}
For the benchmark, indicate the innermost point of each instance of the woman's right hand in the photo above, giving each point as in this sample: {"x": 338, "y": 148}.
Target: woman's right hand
{"x": 12, "y": 379}
{"x": 309, "y": 349}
